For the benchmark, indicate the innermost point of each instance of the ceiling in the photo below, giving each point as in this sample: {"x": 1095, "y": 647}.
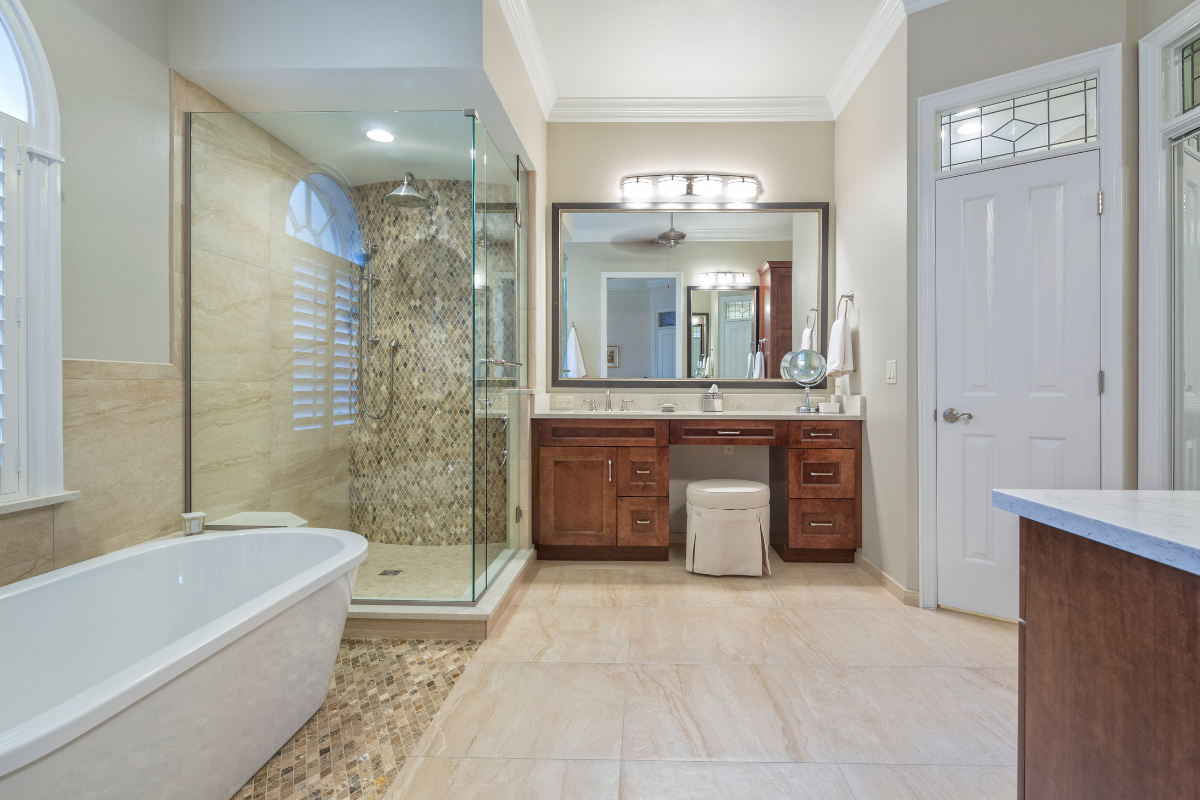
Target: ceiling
{"x": 664, "y": 60}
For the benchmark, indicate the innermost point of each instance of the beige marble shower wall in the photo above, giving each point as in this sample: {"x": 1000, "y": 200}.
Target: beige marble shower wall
{"x": 266, "y": 431}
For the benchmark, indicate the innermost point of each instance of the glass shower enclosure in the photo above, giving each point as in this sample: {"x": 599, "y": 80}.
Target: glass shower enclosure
{"x": 357, "y": 338}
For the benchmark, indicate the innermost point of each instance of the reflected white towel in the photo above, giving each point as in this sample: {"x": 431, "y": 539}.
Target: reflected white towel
{"x": 806, "y": 339}
{"x": 750, "y": 365}
{"x": 841, "y": 354}
{"x": 710, "y": 366}
{"x": 574, "y": 366}
{"x": 760, "y": 365}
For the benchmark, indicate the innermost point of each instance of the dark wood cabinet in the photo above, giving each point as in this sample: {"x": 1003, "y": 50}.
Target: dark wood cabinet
{"x": 643, "y": 522}
{"x": 643, "y": 471}
{"x": 577, "y": 502}
{"x": 822, "y": 524}
{"x": 820, "y": 472}
{"x": 737, "y": 431}
{"x": 775, "y": 278}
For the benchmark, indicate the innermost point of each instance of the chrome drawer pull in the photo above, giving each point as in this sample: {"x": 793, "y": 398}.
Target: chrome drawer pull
{"x": 820, "y": 474}
{"x": 729, "y": 433}
{"x": 814, "y": 433}
{"x": 821, "y": 524}
{"x": 642, "y": 521}
{"x": 642, "y": 471}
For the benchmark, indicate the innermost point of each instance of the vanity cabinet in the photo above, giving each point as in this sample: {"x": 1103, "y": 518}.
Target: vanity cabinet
{"x": 601, "y": 489}
{"x": 601, "y": 486}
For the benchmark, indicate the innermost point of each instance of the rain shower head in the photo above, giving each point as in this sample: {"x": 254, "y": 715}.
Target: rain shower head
{"x": 405, "y": 195}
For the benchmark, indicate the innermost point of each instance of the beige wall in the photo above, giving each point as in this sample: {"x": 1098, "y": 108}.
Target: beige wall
{"x": 586, "y": 161}
{"x": 870, "y": 218}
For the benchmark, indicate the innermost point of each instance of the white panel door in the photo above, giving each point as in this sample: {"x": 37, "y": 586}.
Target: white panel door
{"x": 664, "y": 353}
{"x": 1018, "y": 348}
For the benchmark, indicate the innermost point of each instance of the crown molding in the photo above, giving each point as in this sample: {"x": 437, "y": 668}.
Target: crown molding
{"x": 691, "y": 109}
{"x": 913, "y": 6}
{"x": 882, "y": 27}
{"x": 520, "y": 23}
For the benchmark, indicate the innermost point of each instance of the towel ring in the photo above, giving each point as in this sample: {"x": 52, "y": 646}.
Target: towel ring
{"x": 849, "y": 298}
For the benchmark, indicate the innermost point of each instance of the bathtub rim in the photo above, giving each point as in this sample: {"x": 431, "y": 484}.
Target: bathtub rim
{"x": 41, "y": 735}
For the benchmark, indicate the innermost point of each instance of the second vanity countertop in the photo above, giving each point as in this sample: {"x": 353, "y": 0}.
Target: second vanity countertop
{"x": 1159, "y": 525}
{"x": 739, "y": 406}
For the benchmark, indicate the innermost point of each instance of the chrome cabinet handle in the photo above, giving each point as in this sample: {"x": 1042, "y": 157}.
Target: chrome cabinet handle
{"x": 954, "y": 415}
{"x": 610, "y": 470}
{"x": 642, "y": 521}
{"x": 729, "y": 433}
{"x": 821, "y": 524}
{"x": 642, "y": 471}
{"x": 821, "y": 474}
{"x": 814, "y": 433}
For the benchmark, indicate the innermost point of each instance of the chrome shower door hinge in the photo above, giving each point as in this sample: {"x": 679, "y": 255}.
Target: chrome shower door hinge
{"x": 519, "y": 514}
{"x": 1100, "y": 202}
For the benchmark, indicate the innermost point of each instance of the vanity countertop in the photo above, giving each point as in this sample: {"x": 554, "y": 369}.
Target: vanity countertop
{"x": 1157, "y": 525}
{"x": 642, "y": 414}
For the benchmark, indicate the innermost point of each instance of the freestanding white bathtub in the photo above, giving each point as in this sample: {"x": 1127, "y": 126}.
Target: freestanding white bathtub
{"x": 174, "y": 669}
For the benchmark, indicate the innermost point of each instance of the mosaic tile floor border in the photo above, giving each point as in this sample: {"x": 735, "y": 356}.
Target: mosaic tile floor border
{"x": 383, "y": 696}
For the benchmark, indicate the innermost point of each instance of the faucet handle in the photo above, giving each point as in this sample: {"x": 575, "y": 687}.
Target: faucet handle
{"x": 593, "y": 402}
{"x": 625, "y": 405}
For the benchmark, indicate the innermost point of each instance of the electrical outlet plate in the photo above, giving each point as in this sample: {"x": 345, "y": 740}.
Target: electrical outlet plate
{"x": 891, "y": 371}
{"x": 564, "y": 401}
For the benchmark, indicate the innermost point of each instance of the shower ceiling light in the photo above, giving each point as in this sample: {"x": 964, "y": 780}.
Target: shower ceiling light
{"x": 707, "y": 185}
{"x": 742, "y": 187}
{"x": 672, "y": 186}
{"x": 637, "y": 188}
{"x": 379, "y": 135}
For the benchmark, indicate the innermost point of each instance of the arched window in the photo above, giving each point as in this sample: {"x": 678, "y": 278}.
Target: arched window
{"x": 320, "y": 213}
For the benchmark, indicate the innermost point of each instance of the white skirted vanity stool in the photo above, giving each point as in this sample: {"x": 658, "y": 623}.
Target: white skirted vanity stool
{"x": 728, "y": 527}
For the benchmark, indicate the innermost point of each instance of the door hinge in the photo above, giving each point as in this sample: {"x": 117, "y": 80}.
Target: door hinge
{"x": 1101, "y": 381}
{"x": 519, "y": 514}
{"x": 1100, "y": 202}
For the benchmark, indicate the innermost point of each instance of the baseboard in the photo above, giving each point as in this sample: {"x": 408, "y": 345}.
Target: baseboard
{"x": 906, "y": 596}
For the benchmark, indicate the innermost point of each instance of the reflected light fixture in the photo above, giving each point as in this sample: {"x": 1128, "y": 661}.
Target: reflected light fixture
{"x": 380, "y": 135}
{"x": 970, "y": 129}
{"x": 724, "y": 278}
{"x": 637, "y": 188}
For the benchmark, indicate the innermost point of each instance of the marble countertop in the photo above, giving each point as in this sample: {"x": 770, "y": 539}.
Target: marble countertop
{"x": 779, "y": 406}
{"x": 641, "y": 414}
{"x": 1160, "y": 526}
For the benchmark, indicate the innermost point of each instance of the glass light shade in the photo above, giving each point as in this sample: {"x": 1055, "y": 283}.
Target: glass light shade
{"x": 637, "y": 188}
{"x": 707, "y": 186}
{"x": 672, "y": 186}
{"x": 706, "y": 278}
{"x": 741, "y": 187}
{"x": 742, "y": 277}
{"x": 378, "y": 135}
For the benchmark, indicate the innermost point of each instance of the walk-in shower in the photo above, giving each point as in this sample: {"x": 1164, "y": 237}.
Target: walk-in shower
{"x": 357, "y": 336}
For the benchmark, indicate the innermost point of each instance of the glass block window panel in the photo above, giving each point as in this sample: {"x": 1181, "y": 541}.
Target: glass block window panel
{"x": 1056, "y": 117}
{"x": 1189, "y": 80}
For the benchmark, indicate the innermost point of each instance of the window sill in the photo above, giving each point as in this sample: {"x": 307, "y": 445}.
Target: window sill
{"x": 26, "y": 503}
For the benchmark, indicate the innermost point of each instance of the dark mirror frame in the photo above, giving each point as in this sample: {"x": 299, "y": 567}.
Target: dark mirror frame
{"x": 708, "y": 334}
{"x": 556, "y": 343}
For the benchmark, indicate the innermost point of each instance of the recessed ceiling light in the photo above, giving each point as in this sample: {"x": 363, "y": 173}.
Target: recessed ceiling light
{"x": 378, "y": 135}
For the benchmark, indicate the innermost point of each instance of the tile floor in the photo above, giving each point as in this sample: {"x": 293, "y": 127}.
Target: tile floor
{"x": 642, "y": 681}
{"x": 426, "y": 572}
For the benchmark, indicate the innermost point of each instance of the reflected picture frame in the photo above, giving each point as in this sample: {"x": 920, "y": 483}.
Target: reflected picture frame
{"x": 612, "y": 356}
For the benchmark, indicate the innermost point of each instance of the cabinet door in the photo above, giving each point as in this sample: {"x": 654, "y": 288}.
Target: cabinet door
{"x": 577, "y": 495}
{"x": 643, "y": 471}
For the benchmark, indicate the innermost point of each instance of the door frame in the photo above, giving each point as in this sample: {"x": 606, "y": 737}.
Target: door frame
{"x": 1159, "y": 124}
{"x": 604, "y": 276}
{"x": 1106, "y": 64}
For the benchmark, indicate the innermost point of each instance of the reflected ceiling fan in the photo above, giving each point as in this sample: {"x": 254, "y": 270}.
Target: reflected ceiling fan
{"x": 671, "y": 238}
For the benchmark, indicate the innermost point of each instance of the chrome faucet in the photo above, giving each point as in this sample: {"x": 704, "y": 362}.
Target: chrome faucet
{"x": 593, "y": 402}
{"x": 608, "y": 400}
{"x": 625, "y": 405}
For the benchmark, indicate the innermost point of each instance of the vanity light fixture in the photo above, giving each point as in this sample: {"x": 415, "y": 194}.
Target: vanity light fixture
{"x": 672, "y": 186}
{"x": 380, "y": 135}
{"x": 637, "y": 188}
{"x": 707, "y": 186}
{"x": 741, "y": 188}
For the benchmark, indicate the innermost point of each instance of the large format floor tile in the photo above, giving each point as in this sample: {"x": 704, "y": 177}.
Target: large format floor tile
{"x": 581, "y": 634}
{"x": 913, "y": 715}
{"x": 508, "y": 779}
{"x": 519, "y": 710}
{"x": 965, "y": 640}
{"x": 681, "y": 780}
{"x": 879, "y": 782}
{"x": 718, "y": 713}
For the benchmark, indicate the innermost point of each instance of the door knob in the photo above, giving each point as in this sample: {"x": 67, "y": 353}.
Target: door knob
{"x": 954, "y": 415}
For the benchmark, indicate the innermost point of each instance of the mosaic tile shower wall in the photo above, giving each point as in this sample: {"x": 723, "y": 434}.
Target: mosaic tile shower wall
{"x": 411, "y": 474}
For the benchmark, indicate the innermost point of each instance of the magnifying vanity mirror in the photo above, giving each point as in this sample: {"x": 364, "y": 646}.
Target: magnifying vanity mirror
{"x": 746, "y": 279}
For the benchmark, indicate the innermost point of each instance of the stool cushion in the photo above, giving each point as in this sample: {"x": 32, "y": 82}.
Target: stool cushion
{"x": 730, "y": 494}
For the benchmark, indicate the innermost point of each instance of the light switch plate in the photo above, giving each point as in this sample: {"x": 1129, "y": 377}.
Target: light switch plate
{"x": 564, "y": 401}
{"x": 891, "y": 371}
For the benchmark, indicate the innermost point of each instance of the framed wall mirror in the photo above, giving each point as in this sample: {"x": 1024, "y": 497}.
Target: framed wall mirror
{"x": 746, "y": 279}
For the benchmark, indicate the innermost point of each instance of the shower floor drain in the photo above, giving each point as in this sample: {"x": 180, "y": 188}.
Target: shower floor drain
{"x": 390, "y": 572}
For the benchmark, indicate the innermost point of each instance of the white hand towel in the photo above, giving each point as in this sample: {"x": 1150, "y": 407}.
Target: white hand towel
{"x": 574, "y": 366}
{"x": 806, "y": 339}
{"x": 841, "y": 354}
{"x": 760, "y": 365}
{"x": 710, "y": 367}
{"x": 750, "y": 365}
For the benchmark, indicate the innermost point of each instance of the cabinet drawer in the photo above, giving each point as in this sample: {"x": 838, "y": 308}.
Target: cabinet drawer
{"x": 822, "y": 524}
{"x": 728, "y": 431}
{"x": 601, "y": 432}
{"x": 821, "y": 473}
{"x": 643, "y": 471}
{"x": 832, "y": 434}
{"x": 643, "y": 522}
